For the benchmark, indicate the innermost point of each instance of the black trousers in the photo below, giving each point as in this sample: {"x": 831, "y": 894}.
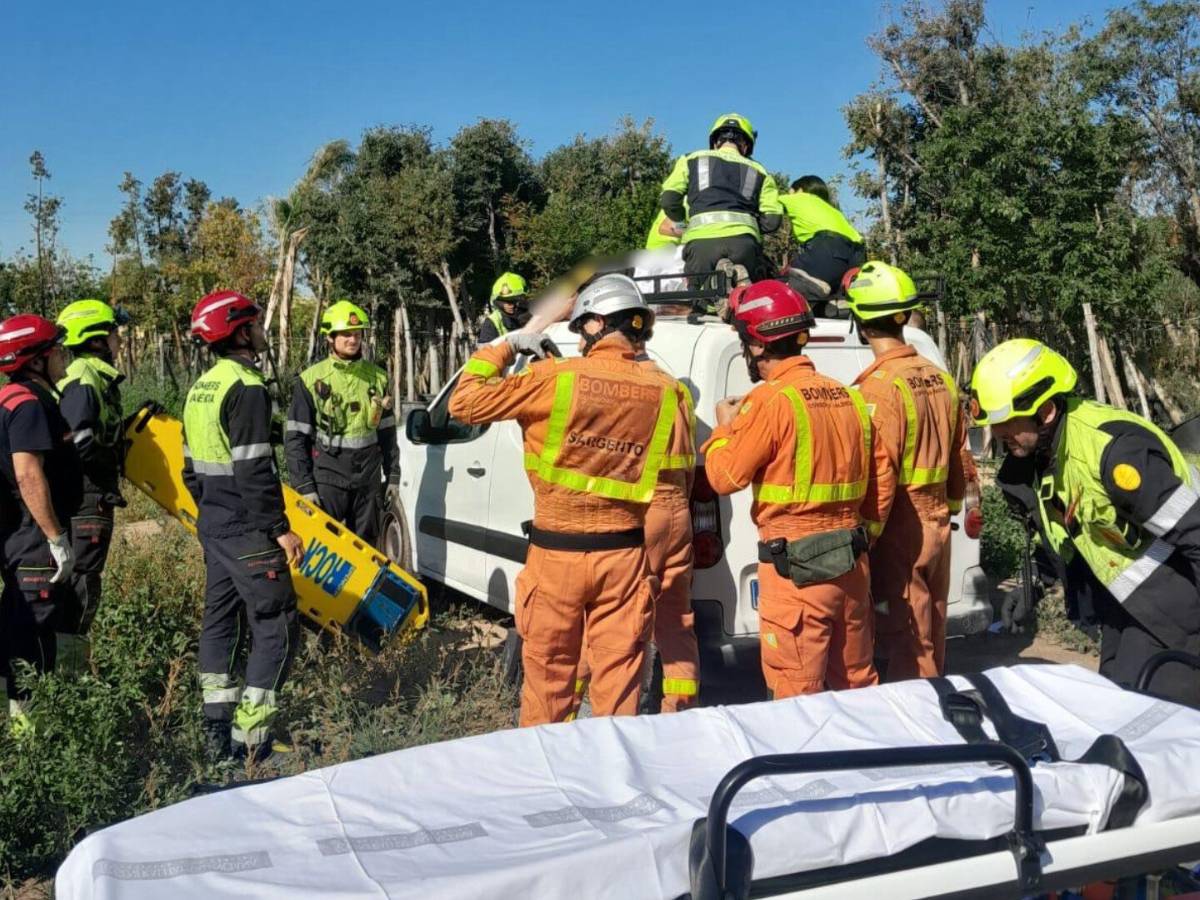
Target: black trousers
{"x": 358, "y": 508}
{"x": 248, "y": 594}
{"x": 91, "y": 538}
{"x": 702, "y": 255}
{"x": 1124, "y": 648}
{"x": 30, "y": 606}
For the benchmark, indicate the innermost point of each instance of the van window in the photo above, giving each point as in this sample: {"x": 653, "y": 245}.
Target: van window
{"x": 446, "y": 428}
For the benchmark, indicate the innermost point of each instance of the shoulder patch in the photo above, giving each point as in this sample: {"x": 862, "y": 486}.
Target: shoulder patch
{"x": 13, "y": 395}
{"x": 1126, "y": 477}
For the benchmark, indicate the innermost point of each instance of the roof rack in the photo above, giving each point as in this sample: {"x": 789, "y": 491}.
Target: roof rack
{"x": 713, "y": 287}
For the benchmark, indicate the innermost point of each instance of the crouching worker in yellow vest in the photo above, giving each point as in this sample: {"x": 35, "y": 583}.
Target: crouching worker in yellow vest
{"x": 229, "y": 468}
{"x": 1112, "y": 498}
{"x": 341, "y": 432}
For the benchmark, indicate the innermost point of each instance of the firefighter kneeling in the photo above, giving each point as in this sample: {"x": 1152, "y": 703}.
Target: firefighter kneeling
{"x": 229, "y": 468}
{"x": 806, "y": 443}
{"x": 597, "y": 430}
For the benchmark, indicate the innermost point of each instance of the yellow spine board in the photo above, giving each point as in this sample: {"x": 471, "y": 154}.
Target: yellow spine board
{"x": 338, "y": 570}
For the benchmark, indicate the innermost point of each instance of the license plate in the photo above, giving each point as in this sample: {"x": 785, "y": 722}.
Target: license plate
{"x": 754, "y": 593}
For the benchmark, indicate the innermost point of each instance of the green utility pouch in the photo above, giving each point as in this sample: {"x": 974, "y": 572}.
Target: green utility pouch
{"x": 816, "y": 558}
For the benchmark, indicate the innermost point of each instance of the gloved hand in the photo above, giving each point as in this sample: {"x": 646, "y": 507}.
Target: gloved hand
{"x": 537, "y": 345}
{"x": 64, "y": 557}
{"x": 312, "y": 498}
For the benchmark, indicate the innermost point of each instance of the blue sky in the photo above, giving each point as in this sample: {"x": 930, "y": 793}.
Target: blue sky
{"x": 240, "y": 94}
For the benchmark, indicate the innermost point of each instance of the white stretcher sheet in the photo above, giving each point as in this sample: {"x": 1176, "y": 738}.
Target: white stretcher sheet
{"x": 604, "y": 807}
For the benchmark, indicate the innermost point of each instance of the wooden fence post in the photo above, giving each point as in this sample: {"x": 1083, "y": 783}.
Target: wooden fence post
{"x": 1110, "y": 375}
{"x": 1094, "y": 351}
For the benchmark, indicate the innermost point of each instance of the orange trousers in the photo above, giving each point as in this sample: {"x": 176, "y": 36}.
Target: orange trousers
{"x": 669, "y": 549}
{"x": 564, "y": 598}
{"x": 818, "y": 636}
{"x": 910, "y": 571}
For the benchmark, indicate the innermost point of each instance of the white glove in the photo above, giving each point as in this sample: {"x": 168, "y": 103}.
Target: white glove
{"x": 64, "y": 557}
{"x": 312, "y": 498}
{"x": 537, "y": 345}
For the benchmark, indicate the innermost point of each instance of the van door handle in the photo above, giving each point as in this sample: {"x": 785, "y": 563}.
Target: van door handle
{"x": 476, "y": 470}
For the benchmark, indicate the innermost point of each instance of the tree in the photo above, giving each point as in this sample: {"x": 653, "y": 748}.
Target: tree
{"x": 44, "y": 209}
{"x": 601, "y": 198}
{"x": 1145, "y": 65}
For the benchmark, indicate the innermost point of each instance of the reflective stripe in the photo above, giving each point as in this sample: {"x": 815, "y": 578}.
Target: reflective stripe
{"x": 874, "y": 529}
{"x": 251, "y": 737}
{"x": 955, "y": 505}
{"x": 681, "y": 687}
{"x": 679, "y": 461}
{"x": 640, "y": 491}
{"x": 299, "y": 427}
{"x": 243, "y": 452}
{"x": 580, "y": 686}
{"x": 1182, "y": 499}
{"x": 387, "y": 422}
{"x": 201, "y": 467}
{"x": 481, "y": 367}
{"x": 83, "y": 434}
{"x": 224, "y": 695}
{"x": 703, "y": 174}
{"x": 1136, "y": 573}
{"x": 342, "y": 442}
{"x": 260, "y": 696}
{"x": 802, "y": 489}
{"x": 723, "y": 217}
{"x": 717, "y": 444}
{"x": 749, "y": 182}
{"x": 910, "y": 472}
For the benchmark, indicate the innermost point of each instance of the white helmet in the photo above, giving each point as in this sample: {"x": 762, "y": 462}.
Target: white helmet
{"x": 604, "y": 296}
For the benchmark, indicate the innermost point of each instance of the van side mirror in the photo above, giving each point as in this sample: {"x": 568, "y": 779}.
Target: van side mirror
{"x": 418, "y": 427}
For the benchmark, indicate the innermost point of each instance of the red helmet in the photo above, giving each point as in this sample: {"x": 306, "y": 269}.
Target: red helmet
{"x": 24, "y": 338}
{"x": 850, "y": 275}
{"x": 770, "y": 310}
{"x": 220, "y": 314}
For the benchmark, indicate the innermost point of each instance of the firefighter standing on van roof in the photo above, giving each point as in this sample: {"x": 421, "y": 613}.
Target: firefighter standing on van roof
{"x": 229, "y": 468}
{"x": 806, "y": 443}
{"x": 40, "y": 489}
{"x": 510, "y": 308}
{"x": 919, "y": 422}
{"x": 1112, "y": 497}
{"x": 91, "y": 406}
{"x": 597, "y": 430}
{"x": 722, "y": 201}
{"x": 341, "y": 431}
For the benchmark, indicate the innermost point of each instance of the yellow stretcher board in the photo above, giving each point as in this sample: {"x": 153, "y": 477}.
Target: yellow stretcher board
{"x": 342, "y": 583}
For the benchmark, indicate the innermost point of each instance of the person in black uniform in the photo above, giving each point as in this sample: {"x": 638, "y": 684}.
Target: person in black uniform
{"x": 40, "y": 487}
{"x": 249, "y": 547}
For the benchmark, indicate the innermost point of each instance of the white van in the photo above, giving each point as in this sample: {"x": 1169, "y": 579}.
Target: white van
{"x": 464, "y": 495}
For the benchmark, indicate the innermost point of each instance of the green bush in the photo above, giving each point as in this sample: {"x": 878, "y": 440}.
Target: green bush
{"x": 125, "y": 738}
{"x": 1002, "y": 542}
{"x": 144, "y": 385}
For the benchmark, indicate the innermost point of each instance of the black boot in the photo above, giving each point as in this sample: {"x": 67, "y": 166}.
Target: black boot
{"x": 216, "y": 741}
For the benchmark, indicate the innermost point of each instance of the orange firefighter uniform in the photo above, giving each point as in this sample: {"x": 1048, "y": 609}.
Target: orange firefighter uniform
{"x": 806, "y": 443}
{"x": 918, "y": 421}
{"x": 596, "y": 432}
{"x": 669, "y": 549}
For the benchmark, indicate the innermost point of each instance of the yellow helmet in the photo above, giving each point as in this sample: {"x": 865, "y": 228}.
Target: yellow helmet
{"x": 344, "y": 316}
{"x": 880, "y": 290}
{"x": 86, "y": 319}
{"x": 1015, "y": 378}
{"x": 508, "y": 287}
{"x": 732, "y": 122}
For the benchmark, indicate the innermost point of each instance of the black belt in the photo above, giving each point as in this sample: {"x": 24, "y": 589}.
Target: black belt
{"x": 605, "y": 540}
